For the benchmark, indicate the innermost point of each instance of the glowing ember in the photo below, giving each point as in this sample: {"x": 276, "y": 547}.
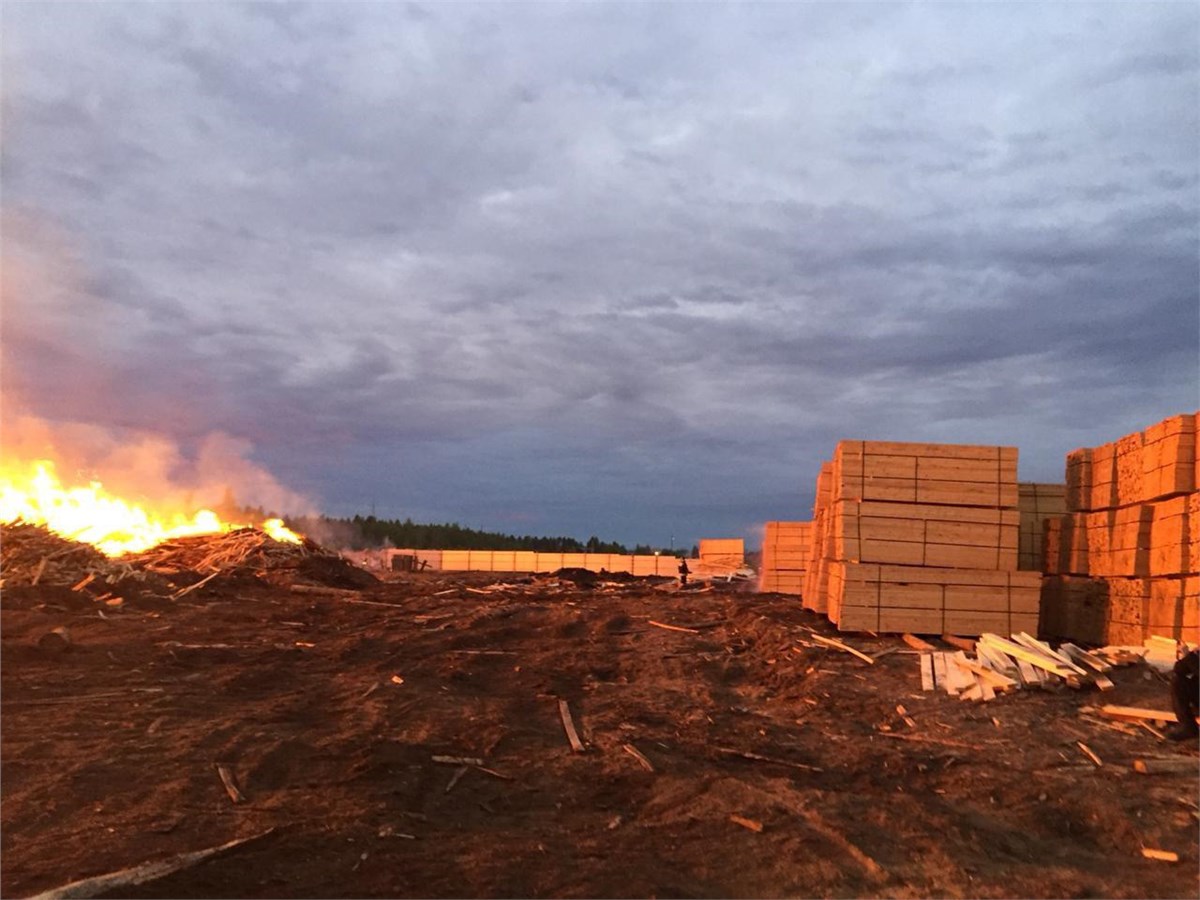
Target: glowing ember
{"x": 90, "y": 514}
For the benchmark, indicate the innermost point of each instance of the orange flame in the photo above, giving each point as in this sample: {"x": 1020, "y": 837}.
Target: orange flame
{"x": 33, "y": 493}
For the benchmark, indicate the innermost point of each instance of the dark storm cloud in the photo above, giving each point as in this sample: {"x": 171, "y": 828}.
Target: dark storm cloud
{"x": 614, "y": 269}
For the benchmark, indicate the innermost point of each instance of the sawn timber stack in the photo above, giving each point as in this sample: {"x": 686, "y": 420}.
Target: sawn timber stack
{"x": 923, "y": 538}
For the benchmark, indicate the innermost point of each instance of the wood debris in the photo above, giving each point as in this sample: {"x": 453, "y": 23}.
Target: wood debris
{"x": 1087, "y": 751}
{"x": 1162, "y": 855}
{"x": 1169, "y": 766}
{"x": 745, "y": 754}
{"x": 845, "y": 648}
{"x": 1006, "y": 664}
{"x": 125, "y": 878}
{"x": 1135, "y": 713}
{"x": 564, "y": 712}
{"x": 639, "y": 756}
{"x": 672, "y": 627}
{"x": 750, "y": 824}
{"x": 231, "y": 787}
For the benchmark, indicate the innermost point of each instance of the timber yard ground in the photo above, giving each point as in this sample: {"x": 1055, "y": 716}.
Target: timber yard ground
{"x": 772, "y": 767}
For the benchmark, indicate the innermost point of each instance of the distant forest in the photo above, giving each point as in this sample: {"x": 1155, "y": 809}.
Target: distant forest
{"x": 363, "y": 532}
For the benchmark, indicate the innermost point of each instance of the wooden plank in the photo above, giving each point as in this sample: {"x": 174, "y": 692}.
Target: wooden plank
{"x": 1136, "y": 712}
{"x": 994, "y": 679}
{"x": 1040, "y": 646}
{"x": 939, "y": 669}
{"x": 1034, "y": 658}
{"x": 927, "y": 680}
{"x": 917, "y": 644}
{"x": 564, "y": 712}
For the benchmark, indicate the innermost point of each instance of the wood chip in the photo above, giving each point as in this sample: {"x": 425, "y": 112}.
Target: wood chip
{"x": 456, "y": 777}
{"x": 639, "y": 756}
{"x": 458, "y": 760}
{"x": 672, "y": 627}
{"x": 845, "y": 648}
{"x": 1163, "y": 855}
{"x": 85, "y": 582}
{"x": 564, "y": 712}
{"x": 1087, "y": 751}
{"x": 751, "y": 824}
{"x": 230, "y": 786}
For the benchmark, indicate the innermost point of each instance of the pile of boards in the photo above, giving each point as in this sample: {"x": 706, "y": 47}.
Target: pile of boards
{"x": 923, "y": 538}
{"x": 1009, "y": 664}
{"x": 786, "y": 551}
{"x": 719, "y": 557}
{"x": 1124, "y": 561}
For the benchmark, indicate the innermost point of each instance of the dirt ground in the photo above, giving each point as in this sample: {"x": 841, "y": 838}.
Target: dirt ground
{"x": 328, "y": 714}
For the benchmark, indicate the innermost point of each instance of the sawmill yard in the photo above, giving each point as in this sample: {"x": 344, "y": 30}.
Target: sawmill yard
{"x": 478, "y": 735}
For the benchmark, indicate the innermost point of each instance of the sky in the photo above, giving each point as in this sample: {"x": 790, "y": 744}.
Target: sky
{"x": 596, "y": 269}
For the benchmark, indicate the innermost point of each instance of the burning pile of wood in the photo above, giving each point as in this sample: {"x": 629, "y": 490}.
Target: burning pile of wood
{"x": 31, "y": 555}
{"x": 244, "y": 548}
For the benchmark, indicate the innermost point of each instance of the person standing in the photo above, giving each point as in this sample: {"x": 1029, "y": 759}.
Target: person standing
{"x": 1185, "y": 697}
{"x": 683, "y": 572}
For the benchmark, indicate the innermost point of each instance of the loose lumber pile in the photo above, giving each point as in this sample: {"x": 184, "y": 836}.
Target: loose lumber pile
{"x": 786, "y": 549}
{"x": 916, "y": 537}
{"x": 1123, "y": 563}
{"x": 1019, "y": 661}
{"x": 1036, "y": 503}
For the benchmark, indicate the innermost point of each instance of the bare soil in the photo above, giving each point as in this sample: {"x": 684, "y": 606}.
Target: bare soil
{"x": 328, "y": 715}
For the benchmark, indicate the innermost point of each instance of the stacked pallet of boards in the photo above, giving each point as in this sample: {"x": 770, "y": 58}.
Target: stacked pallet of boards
{"x": 923, "y": 538}
{"x": 530, "y": 561}
{"x": 719, "y": 556}
{"x": 1037, "y": 502}
{"x": 786, "y": 549}
{"x": 815, "y": 593}
{"x": 1124, "y": 563}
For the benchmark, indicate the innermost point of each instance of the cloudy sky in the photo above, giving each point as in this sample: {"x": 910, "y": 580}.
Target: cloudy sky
{"x": 625, "y": 270}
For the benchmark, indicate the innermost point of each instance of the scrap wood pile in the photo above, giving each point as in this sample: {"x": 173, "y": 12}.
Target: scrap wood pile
{"x": 31, "y": 554}
{"x": 1008, "y": 664}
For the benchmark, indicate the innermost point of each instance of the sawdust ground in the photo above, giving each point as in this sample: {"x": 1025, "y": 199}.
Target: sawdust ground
{"x": 328, "y": 713}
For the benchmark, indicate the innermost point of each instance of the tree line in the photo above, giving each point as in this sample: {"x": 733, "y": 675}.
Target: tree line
{"x": 366, "y": 532}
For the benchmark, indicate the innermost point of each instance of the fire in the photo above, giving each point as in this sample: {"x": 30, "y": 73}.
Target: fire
{"x": 32, "y": 492}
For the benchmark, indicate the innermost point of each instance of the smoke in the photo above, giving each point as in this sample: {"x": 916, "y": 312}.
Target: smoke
{"x": 148, "y": 468}
{"x": 80, "y": 379}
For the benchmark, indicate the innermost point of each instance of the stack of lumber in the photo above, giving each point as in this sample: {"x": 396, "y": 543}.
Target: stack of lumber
{"x": 1123, "y": 563}
{"x": 786, "y": 549}
{"x": 1008, "y": 664}
{"x": 815, "y": 593}
{"x": 922, "y": 538}
{"x": 1036, "y": 503}
{"x": 721, "y": 556}
{"x": 531, "y": 561}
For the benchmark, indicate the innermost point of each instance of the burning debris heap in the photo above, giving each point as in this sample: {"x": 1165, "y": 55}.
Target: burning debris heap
{"x": 31, "y": 554}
